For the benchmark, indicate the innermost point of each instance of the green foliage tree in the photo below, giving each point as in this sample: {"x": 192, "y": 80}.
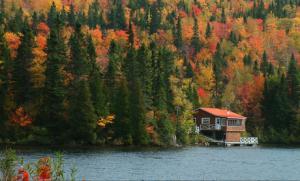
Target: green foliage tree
{"x": 144, "y": 56}
{"x": 21, "y": 65}
{"x": 52, "y": 113}
{"x": 219, "y": 63}
{"x": 178, "y": 36}
{"x": 293, "y": 82}
{"x": 155, "y": 15}
{"x": 5, "y": 68}
{"x": 196, "y": 43}
{"x": 81, "y": 110}
{"x": 96, "y": 83}
{"x": 117, "y": 16}
{"x": 122, "y": 124}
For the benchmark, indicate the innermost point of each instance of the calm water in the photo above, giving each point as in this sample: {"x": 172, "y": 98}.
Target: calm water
{"x": 190, "y": 163}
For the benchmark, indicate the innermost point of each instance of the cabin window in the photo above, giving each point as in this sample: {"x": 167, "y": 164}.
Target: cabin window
{"x": 223, "y": 122}
{"x": 205, "y": 120}
{"x": 218, "y": 120}
{"x": 234, "y": 122}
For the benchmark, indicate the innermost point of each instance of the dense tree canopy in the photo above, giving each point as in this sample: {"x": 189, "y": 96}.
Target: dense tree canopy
{"x": 132, "y": 71}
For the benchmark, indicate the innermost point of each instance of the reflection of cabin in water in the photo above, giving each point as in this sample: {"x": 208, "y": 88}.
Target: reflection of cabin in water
{"x": 223, "y": 126}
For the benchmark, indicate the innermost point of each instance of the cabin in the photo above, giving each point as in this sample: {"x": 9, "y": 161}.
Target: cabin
{"x": 222, "y": 125}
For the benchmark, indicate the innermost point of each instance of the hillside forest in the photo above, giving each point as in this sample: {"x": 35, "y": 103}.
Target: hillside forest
{"x": 131, "y": 72}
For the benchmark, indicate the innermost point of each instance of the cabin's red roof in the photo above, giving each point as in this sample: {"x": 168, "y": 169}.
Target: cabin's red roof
{"x": 222, "y": 113}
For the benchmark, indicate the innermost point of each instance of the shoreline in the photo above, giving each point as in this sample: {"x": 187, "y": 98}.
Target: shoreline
{"x": 128, "y": 148}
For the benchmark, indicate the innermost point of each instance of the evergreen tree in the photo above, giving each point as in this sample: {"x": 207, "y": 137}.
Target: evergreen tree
{"x": 112, "y": 74}
{"x": 63, "y": 16}
{"x": 131, "y": 34}
{"x": 189, "y": 73}
{"x": 52, "y": 15}
{"x": 247, "y": 60}
{"x": 145, "y": 74}
{"x": 117, "y": 16}
{"x": 196, "y": 44}
{"x": 178, "y": 37}
{"x": 293, "y": 82}
{"x": 122, "y": 124}
{"x": 15, "y": 24}
{"x": 208, "y": 31}
{"x": 81, "y": 109}
{"x": 223, "y": 16}
{"x": 21, "y": 65}
{"x": 136, "y": 99}
{"x": 193, "y": 97}
{"x": 255, "y": 68}
{"x": 82, "y": 114}
{"x": 219, "y": 63}
{"x": 159, "y": 95}
{"x": 72, "y": 16}
{"x": 96, "y": 84}
{"x": 264, "y": 64}
{"x": 276, "y": 109}
{"x": 95, "y": 16}
{"x": 155, "y": 22}
{"x": 52, "y": 113}
{"x": 4, "y": 76}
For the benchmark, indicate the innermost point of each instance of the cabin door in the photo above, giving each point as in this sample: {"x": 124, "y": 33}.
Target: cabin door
{"x": 218, "y": 123}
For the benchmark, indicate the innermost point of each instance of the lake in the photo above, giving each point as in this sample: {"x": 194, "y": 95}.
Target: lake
{"x": 187, "y": 163}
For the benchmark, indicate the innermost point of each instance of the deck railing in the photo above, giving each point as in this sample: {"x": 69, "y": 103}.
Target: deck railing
{"x": 207, "y": 127}
{"x": 248, "y": 140}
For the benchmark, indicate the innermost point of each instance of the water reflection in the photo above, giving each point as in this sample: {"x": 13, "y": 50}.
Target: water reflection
{"x": 188, "y": 163}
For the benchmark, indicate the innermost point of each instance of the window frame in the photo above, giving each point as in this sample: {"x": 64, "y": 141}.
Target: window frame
{"x": 205, "y": 121}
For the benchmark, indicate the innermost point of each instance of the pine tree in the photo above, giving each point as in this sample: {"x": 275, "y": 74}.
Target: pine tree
{"x": 52, "y": 15}
{"x": 52, "y": 113}
{"x": 178, "y": 37}
{"x": 96, "y": 82}
{"x": 4, "y": 76}
{"x": 72, "y": 16}
{"x": 15, "y": 24}
{"x": 255, "y": 68}
{"x": 145, "y": 74}
{"x": 81, "y": 109}
{"x": 196, "y": 44}
{"x": 219, "y": 63}
{"x": 293, "y": 82}
{"x": 94, "y": 15}
{"x": 117, "y": 16}
{"x": 155, "y": 22}
{"x": 223, "y": 16}
{"x": 21, "y": 65}
{"x": 112, "y": 74}
{"x": 208, "y": 31}
{"x": 63, "y": 16}
{"x": 131, "y": 34}
{"x": 136, "y": 99}
{"x": 264, "y": 64}
{"x": 276, "y": 109}
{"x": 122, "y": 125}
{"x": 159, "y": 95}
{"x": 82, "y": 114}
{"x": 189, "y": 73}
{"x": 247, "y": 60}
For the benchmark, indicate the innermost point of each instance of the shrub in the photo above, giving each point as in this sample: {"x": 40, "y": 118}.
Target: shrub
{"x": 8, "y": 164}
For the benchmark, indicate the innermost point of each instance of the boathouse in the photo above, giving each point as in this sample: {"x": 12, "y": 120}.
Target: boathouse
{"x": 222, "y": 125}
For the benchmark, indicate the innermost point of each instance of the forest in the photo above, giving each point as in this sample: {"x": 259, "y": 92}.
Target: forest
{"x": 131, "y": 72}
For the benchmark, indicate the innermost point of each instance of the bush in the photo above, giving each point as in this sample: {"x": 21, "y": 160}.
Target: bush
{"x": 166, "y": 132}
{"x": 8, "y": 164}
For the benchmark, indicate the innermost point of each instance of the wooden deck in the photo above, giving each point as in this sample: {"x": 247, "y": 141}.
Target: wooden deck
{"x": 244, "y": 141}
